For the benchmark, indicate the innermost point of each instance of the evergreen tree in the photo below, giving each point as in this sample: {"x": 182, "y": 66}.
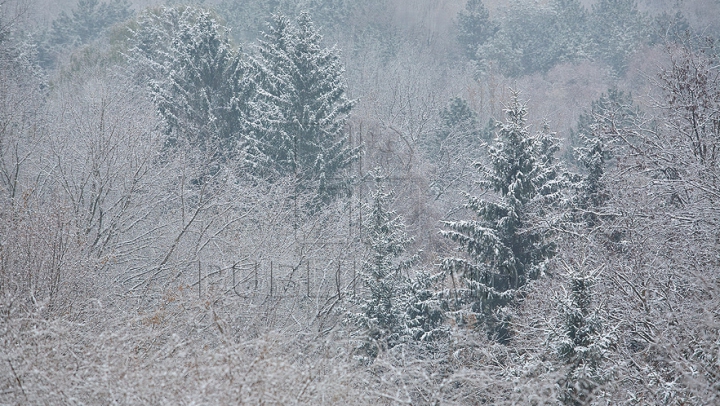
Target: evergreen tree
{"x": 592, "y": 192}
{"x": 459, "y": 128}
{"x": 248, "y": 18}
{"x": 301, "y": 110}
{"x": 535, "y": 38}
{"x": 198, "y": 80}
{"x": 611, "y": 113}
{"x": 451, "y": 148}
{"x": 671, "y": 28}
{"x": 506, "y": 244}
{"x": 582, "y": 343}
{"x": 382, "y": 305}
{"x": 617, "y": 28}
{"x": 459, "y": 117}
{"x": 87, "y": 21}
{"x": 474, "y": 27}
{"x": 425, "y": 308}
{"x": 570, "y": 41}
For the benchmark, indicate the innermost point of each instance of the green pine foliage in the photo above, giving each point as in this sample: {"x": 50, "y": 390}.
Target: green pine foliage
{"x": 425, "y": 308}
{"x": 506, "y": 244}
{"x": 248, "y": 18}
{"x": 520, "y": 45}
{"x": 529, "y": 38}
{"x": 474, "y": 27}
{"x": 592, "y": 192}
{"x": 570, "y": 41}
{"x": 301, "y": 110}
{"x": 532, "y": 37}
{"x": 459, "y": 117}
{"x": 392, "y": 307}
{"x": 452, "y": 147}
{"x": 383, "y": 303}
{"x": 597, "y": 132}
{"x": 87, "y": 21}
{"x": 669, "y": 28}
{"x": 617, "y": 28}
{"x": 197, "y": 78}
{"x": 460, "y": 127}
{"x": 582, "y": 343}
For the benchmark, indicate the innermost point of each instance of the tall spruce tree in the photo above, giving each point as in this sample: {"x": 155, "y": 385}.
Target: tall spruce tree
{"x": 475, "y": 27}
{"x": 383, "y": 303}
{"x": 198, "y": 80}
{"x": 301, "y": 110}
{"x": 461, "y": 127}
{"x": 506, "y": 244}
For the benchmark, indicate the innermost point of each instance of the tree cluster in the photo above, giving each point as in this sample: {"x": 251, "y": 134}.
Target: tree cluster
{"x": 282, "y": 109}
{"x": 194, "y": 210}
{"x": 528, "y": 38}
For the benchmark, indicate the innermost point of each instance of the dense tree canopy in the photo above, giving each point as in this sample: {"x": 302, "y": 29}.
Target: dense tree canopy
{"x": 90, "y": 19}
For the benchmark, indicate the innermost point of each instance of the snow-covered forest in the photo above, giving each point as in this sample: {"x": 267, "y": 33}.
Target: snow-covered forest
{"x": 325, "y": 202}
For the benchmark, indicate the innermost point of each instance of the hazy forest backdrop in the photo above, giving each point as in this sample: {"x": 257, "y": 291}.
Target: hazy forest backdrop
{"x": 360, "y": 202}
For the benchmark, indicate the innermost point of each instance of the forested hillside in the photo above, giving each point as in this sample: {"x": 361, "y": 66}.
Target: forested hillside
{"x": 360, "y": 202}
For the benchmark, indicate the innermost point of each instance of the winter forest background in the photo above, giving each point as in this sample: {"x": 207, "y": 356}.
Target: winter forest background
{"x": 360, "y": 202}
